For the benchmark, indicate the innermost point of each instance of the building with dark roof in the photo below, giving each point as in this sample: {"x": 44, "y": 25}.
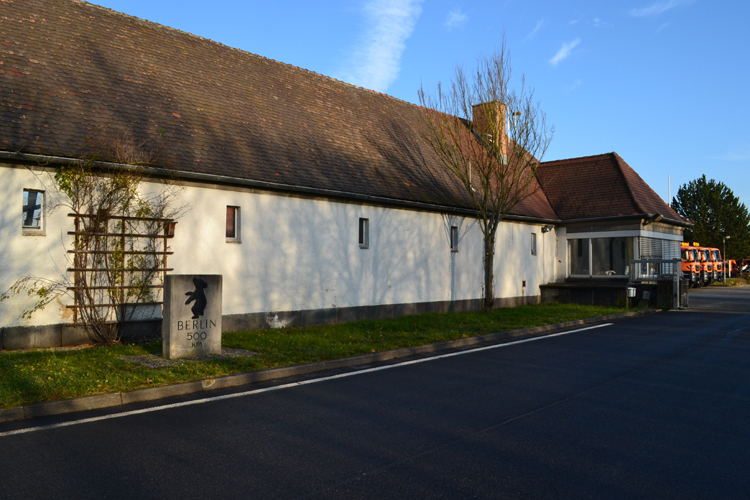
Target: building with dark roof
{"x": 302, "y": 162}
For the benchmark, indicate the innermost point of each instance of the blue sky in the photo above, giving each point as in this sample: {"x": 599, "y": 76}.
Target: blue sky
{"x": 664, "y": 83}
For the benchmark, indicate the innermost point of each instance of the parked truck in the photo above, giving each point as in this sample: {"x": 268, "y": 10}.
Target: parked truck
{"x": 707, "y": 266}
{"x": 691, "y": 265}
{"x": 703, "y": 261}
{"x": 733, "y": 270}
{"x": 718, "y": 264}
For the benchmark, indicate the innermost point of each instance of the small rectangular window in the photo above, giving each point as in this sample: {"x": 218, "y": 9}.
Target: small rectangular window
{"x": 364, "y": 233}
{"x": 533, "y": 243}
{"x": 454, "y": 239}
{"x": 233, "y": 224}
{"x": 33, "y": 210}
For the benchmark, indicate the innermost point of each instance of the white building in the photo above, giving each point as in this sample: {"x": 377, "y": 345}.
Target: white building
{"x": 316, "y": 200}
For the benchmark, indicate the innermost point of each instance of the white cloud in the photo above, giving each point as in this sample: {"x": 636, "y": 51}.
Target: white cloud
{"x": 539, "y": 24}
{"x": 376, "y": 61}
{"x": 658, "y": 8}
{"x": 564, "y": 51}
{"x": 574, "y": 85}
{"x": 601, "y": 24}
{"x": 456, "y": 19}
{"x": 734, "y": 156}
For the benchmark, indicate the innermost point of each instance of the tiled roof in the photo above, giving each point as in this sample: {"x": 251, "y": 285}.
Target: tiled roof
{"x": 599, "y": 186}
{"x": 69, "y": 67}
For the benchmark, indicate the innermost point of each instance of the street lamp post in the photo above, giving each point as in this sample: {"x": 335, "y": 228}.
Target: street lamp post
{"x": 725, "y": 257}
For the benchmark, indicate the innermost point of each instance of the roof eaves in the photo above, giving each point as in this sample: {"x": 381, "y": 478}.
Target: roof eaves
{"x": 44, "y": 160}
{"x": 674, "y": 222}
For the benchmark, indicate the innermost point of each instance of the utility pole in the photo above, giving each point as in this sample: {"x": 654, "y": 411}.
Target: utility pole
{"x": 725, "y": 257}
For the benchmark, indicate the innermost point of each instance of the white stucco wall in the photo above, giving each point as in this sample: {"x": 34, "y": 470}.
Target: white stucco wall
{"x": 42, "y": 256}
{"x": 297, "y": 253}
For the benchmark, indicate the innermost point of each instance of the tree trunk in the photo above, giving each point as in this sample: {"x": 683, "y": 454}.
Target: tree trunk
{"x": 489, "y": 266}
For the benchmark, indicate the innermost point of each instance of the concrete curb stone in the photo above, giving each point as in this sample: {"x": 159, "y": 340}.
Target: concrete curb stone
{"x": 11, "y": 414}
{"x": 166, "y": 391}
{"x": 70, "y": 405}
{"x": 48, "y": 408}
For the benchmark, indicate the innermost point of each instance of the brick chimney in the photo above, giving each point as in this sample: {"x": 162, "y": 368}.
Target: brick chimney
{"x": 484, "y": 120}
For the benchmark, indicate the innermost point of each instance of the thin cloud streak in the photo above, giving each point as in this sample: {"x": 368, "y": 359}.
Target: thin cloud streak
{"x": 658, "y": 8}
{"x": 377, "y": 60}
{"x": 539, "y": 24}
{"x": 564, "y": 51}
{"x": 662, "y": 27}
{"x": 733, "y": 157}
{"x": 574, "y": 85}
{"x": 456, "y": 19}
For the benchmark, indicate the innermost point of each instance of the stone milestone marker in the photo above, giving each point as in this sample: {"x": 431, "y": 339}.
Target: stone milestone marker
{"x": 192, "y": 315}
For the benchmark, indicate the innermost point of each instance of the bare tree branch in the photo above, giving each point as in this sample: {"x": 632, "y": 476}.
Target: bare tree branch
{"x": 492, "y": 138}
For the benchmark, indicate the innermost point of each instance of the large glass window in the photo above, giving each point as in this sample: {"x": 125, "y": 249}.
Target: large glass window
{"x": 611, "y": 256}
{"x": 600, "y": 256}
{"x": 578, "y": 251}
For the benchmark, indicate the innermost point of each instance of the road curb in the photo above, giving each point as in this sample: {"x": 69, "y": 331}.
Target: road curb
{"x": 58, "y": 407}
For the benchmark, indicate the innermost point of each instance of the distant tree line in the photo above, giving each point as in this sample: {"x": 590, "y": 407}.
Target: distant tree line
{"x": 715, "y": 213}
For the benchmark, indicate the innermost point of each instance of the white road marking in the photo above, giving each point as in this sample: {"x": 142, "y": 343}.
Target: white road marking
{"x": 286, "y": 386}
{"x": 737, "y": 330}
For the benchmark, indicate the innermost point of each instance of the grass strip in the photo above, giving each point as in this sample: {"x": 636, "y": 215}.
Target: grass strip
{"x": 34, "y": 376}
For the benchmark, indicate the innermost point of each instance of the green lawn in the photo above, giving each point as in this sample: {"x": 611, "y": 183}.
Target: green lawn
{"x": 741, "y": 281}
{"x": 34, "y": 376}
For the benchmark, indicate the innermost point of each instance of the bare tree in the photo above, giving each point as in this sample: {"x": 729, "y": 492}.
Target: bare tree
{"x": 492, "y": 138}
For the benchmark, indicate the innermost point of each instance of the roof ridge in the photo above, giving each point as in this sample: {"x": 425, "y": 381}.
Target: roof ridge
{"x": 154, "y": 24}
{"x": 576, "y": 158}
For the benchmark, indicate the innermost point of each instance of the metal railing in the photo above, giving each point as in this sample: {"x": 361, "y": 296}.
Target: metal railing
{"x": 643, "y": 270}
{"x": 654, "y": 270}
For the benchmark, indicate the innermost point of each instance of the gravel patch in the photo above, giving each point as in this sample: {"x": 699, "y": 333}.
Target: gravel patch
{"x": 153, "y": 361}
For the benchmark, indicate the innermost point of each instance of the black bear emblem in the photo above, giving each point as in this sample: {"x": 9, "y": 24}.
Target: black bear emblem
{"x": 198, "y": 296}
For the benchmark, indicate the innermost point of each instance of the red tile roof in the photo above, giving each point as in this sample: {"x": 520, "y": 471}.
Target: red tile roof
{"x": 599, "y": 186}
{"x": 69, "y": 68}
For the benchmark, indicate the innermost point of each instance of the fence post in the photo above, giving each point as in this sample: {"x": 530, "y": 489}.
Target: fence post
{"x": 676, "y": 268}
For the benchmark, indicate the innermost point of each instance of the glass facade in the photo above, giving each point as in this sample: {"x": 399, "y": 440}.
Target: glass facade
{"x": 578, "y": 251}
{"x": 611, "y": 256}
{"x": 600, "y": 256}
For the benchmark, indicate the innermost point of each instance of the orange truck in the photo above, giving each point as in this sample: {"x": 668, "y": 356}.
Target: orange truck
{"x": 708, "y": 265}
{"x": 733, "y": 270}
{"x": 701, "y": 265}
{"x": 718, "y": 264}
{"x": 692, "y": 264}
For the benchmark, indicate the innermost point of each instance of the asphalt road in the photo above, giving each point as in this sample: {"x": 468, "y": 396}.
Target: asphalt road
{"x": 648, "y": 407}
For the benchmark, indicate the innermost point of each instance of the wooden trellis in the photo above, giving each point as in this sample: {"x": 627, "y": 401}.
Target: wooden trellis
{"x": 119, "y": 263}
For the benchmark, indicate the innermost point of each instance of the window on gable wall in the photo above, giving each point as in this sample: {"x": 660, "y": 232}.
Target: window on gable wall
{"x": 454, "y": 238}
{"x": 364, "y": 233}
{"x": 533, "y": 243}
{"x": 33, "y": 210}
{"x": 233, "y": 224}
